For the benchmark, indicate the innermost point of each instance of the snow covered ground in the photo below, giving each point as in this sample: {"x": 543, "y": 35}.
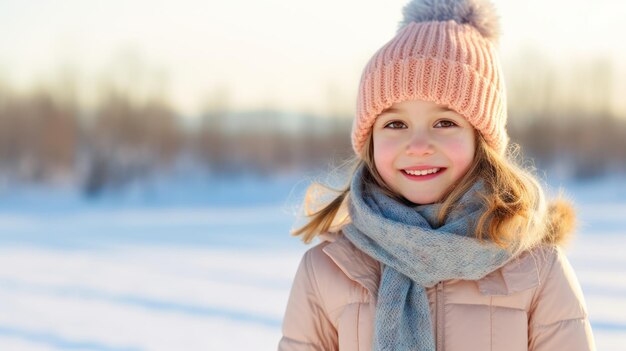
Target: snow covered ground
{"x": 212, "y": 274}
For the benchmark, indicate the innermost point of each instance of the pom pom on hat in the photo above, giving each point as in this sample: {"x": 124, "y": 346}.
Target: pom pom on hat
{"x": 480, "y": 14}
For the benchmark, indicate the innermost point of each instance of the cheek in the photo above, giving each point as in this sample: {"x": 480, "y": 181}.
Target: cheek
{"x": 384, "y": 153}
{"x": 461, "y": 153}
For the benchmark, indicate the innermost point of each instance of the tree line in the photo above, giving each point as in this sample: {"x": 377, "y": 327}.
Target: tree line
{"x": 50, "y": 137}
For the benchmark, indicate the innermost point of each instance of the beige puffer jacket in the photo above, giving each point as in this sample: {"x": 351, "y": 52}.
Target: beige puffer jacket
{"x": 533, "y": 303}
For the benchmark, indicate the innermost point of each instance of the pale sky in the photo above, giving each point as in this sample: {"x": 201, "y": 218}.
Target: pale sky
{"x": 290, "y": 54}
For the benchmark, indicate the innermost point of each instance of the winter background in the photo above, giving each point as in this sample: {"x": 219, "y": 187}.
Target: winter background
{"x": 153, "y": 156}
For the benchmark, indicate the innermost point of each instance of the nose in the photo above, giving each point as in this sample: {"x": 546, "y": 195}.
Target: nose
{"x": 420, "y": 144}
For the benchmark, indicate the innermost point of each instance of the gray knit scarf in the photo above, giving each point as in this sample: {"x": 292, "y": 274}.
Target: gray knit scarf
{"x": 415, "y": 255}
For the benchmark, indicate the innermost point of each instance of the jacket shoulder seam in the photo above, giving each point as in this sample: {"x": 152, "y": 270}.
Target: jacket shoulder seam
{"x": 567, "y": 320}
{"x": 346, "y": 305}
{"x": 543, "y": 278}
{"x": 486, "y": 305}
{"x": 310, "y": 259}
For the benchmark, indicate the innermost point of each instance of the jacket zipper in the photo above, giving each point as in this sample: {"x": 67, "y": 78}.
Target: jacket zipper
{"x": 440, "y": 316}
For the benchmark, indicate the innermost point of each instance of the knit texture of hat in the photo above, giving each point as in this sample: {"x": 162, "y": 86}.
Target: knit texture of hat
{"x": 445, "y": 52}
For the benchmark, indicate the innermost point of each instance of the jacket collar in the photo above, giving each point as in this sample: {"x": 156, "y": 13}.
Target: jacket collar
{"x": 519, "y": 274}
{"x": 356, "y": 264}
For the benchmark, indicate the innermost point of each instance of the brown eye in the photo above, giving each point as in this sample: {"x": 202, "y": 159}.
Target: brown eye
{"x": 446, "y": 123}
{"x": 395, "y": 125}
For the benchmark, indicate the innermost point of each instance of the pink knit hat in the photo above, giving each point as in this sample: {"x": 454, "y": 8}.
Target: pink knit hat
{"x": 444, "y": 51}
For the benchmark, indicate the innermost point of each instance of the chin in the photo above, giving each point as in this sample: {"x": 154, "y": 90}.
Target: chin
{"x": 422, "y": 200}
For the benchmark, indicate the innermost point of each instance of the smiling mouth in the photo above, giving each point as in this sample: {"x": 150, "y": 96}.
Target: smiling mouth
{"x": 423, "y": 172}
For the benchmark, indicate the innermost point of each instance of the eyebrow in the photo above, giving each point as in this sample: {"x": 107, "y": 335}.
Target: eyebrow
{"x": 395, "y": 110}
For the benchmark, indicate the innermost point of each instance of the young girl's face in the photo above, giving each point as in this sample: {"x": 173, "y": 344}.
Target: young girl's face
{"x": 422, "y": 136}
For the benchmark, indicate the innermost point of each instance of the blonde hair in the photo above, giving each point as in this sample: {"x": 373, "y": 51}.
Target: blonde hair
{"x": 515, "y": 217}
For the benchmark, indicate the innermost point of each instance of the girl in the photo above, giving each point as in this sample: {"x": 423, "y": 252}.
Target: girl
{"x": 446, "y": 243}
